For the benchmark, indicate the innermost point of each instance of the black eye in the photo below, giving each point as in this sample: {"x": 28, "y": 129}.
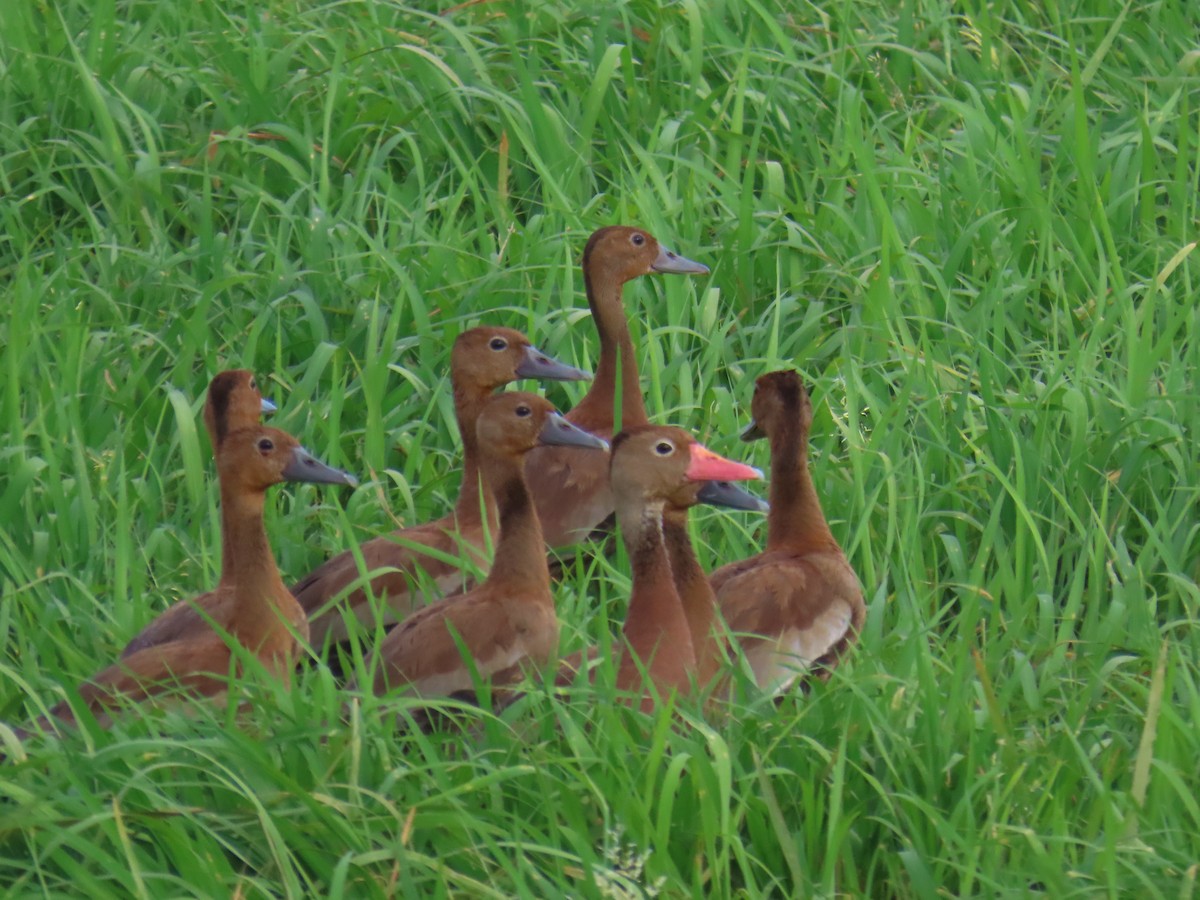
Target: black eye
{"x": 266, "y": 445}
{"x": 638, "y": 239}
{"x": 253, "y": 385}
{"x": 498, "y": 344}
{"x": 664, "y": 448}
{"x": 523, "y": 411}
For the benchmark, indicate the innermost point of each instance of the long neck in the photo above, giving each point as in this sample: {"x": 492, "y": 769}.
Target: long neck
{"x": 695, "y": 593}
{"x": 795, "y": 521}
{"x": 252, "y": 575}
{"x": 618, "y": 361}
{"x": 656, "y": 628}
{"x": 520, "y": 559}
{"x": 469, "y": 400}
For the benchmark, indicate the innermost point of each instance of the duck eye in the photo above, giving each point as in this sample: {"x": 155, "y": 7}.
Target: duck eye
{"x": 253, "y": 385}
{"x": 523, "y": 411}
{"x": 638, "y": 239}
{"x": 266, "y": 445}
{"x": 498, "y": 344}
{"x": 664, "y": 448}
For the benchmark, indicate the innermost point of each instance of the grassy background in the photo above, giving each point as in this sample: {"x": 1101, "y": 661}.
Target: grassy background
{"x": 970, "y": 225}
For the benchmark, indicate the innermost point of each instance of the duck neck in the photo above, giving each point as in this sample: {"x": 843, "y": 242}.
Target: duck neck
{"x": 655, "y": 627}
{"x": 469, "y": 401}
{"x": 795, "y": 521}
{"x": 520, "y": 558}
{"x": 618, "y": 362}
{"x": 251, "y": 575}
{"x": 695, "y": 593}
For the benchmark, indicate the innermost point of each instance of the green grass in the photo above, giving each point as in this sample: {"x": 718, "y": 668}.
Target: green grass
{"x": 969, "y": 225}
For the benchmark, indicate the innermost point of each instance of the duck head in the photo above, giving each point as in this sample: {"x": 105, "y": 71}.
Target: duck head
{"x": 780, "y": 401}
{"x": 492, "y": 357}
{"x": 234, "y": 401}
{"x": 657, "y": 464}
{"x": 622, "y": 252}
{"x": 257, "y": 457}
{"x": 514, "y": 423}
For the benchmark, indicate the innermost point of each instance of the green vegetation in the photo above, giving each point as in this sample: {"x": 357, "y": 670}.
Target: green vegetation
{"x": 971, "y": 226}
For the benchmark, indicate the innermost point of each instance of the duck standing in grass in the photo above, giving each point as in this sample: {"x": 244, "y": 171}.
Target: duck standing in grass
{"x": 652, "y": 467}
{"x": 483, "y": 360}
{"x": 569, "y": 486}
{"x": 264, "y": 621}
{"x": 507, "y": 622}
{"x": 796, "y": 605}
{"x": 233, "y": 402}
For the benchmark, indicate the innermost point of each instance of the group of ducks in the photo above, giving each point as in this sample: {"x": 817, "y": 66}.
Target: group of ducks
{"x": 532, "y": 479}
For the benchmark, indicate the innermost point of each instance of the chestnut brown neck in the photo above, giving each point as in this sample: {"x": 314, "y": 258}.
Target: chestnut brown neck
{"x": 656, "y": 629}
{"x": 469, "y": 400}
{"x": 695, "y": 593}
{"x": 520, "y": 560}
{"x": 249, "y": 571}
{"x": 618, "y": 361}
{"x": 795, "y": 521}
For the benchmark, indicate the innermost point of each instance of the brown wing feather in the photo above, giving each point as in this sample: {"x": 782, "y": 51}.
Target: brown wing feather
{"x": 570, "y": 489}
{"x": 187, "y": 620}
{"x": 806, "y": 609}
{"x": 407, "y": 567}
{"x": 422, "y": 652}
{"x": 182, "y": 619}
{"x": 197, "y": 667}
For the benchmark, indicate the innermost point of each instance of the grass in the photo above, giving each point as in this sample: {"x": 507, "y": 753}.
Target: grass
{"x": 970, "y": 226}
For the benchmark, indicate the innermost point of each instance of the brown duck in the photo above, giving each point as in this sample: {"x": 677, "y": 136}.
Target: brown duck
{"x": 508, "y": 621}
{"x": 569, "y": 486}
{"x": 797, "y": 604}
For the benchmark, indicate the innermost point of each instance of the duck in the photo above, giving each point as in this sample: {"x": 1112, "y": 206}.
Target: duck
{"x": 652, "y": 468}
{"x": 233, "y": 402}
{"x": 507, "y": 623}
{"x": 482, "y": 360}
{"x": 569, "y": 487}
{"x": 798, "y": 605}
{"x": 265, "y": 621}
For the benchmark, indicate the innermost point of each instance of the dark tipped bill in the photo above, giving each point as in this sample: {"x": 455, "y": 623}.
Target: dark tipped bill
{"x": 671, "y": 263}
{"x": 559, "y": 432}
{"x": 303, "y": 466}
{"x": 753, "y": 432}
{"x": 267, "y": 406}
{"x": 730, "y": 496}
{"x": 537, "y": 364}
